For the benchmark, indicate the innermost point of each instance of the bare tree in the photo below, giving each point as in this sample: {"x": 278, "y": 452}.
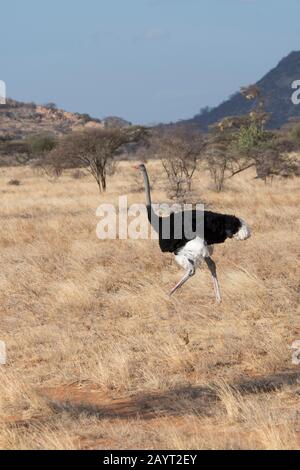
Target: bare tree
{"x": 276, "y": 159}
{"x": 179, "y": 150}
{"x": 95, "y": 149}
{"x": 217, "y": 165}
{"x": 218, "y": 154}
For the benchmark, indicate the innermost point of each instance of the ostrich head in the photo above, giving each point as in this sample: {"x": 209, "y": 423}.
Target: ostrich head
{"x": 235, "y": 228}
{"x": 295, "y": 345}
{"x": 141, "y": 167}
{"x": 243, "y": 231}
{"x": 296, "y": 353}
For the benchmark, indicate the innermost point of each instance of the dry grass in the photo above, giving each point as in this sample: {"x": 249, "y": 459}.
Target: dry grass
{"x": 77, "y": 310}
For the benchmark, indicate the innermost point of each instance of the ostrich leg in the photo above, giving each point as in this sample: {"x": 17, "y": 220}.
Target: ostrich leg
{"x": 212, "y": 267}
{"x": 185, "y": 278}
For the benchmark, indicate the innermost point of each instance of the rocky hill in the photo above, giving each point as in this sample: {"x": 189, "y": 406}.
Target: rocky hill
{"x": 276, "y": 89}
{"x": 18, "y": 120}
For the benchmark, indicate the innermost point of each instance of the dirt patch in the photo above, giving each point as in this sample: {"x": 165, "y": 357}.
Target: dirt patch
{"x": 90, "y": 399}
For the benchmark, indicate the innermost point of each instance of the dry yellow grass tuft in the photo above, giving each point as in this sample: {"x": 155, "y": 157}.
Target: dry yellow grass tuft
{"x": 100, "y": 357}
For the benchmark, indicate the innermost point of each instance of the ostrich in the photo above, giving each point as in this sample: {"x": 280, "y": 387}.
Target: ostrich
{"x": 193, "y": 245}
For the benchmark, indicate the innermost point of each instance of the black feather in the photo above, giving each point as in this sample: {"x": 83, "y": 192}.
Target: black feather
{"x": 179, "y": 228}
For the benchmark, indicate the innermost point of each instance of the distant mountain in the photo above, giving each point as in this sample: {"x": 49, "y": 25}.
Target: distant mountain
{"x": 275, "y": 87}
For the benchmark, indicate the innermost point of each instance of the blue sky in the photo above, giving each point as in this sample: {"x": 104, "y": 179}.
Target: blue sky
{"x": 145, "y": 60}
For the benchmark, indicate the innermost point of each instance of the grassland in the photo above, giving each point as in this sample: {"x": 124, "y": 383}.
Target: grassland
{"x": 100, "y": 357}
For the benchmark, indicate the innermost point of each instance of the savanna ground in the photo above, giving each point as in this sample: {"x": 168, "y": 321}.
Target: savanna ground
{"x": 100, "y": 357}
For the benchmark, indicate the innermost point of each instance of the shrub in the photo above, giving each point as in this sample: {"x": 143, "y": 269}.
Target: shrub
{"x": 14, "y": 182}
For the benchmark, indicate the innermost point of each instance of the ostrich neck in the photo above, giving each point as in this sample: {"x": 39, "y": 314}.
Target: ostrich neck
{"x": 147, "y": 188}
{"x": 152, "y": 217}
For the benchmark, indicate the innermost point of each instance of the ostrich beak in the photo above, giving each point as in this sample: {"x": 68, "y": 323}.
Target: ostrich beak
{"x": 135, "y": 167}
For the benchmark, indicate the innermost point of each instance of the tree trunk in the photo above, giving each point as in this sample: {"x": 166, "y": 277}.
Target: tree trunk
{"x": 103, "y": 182}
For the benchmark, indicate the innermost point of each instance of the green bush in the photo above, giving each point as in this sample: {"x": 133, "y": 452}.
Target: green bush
{"x": 39, "y": 144}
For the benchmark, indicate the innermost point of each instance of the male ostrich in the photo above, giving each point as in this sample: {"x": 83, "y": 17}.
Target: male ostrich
{"x": 193, "y": 244}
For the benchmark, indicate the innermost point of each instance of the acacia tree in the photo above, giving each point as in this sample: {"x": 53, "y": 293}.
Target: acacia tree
{"x": 236, "y": 144}
{"x": 268, "y": 151}
{"x": 221, "y": 153}
{"x": 240, "y": 142}
{"x": 95, "y": 149}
